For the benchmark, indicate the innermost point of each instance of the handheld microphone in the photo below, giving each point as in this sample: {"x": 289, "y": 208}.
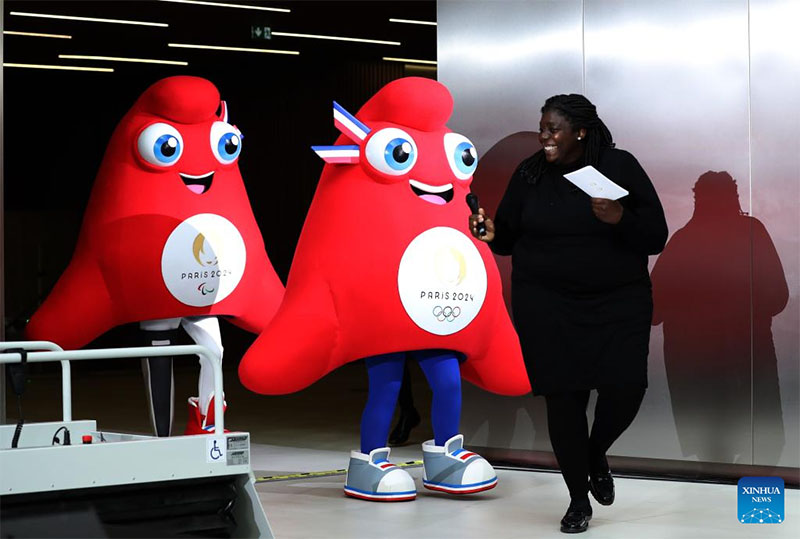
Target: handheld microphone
{"x": 472, "y": 202}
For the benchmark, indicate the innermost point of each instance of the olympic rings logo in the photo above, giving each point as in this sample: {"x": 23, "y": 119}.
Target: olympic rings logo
{"x": 446, "y": 313}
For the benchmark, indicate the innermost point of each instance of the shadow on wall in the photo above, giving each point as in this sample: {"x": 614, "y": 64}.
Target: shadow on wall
{"x": 491, "y": 420}
{"x": 718, "y": 283}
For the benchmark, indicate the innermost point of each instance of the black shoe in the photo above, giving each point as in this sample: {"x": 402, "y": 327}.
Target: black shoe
{"x": 601, "y": 485}
{"x": 403, "y": 428}
{"x": 577, "y": 518}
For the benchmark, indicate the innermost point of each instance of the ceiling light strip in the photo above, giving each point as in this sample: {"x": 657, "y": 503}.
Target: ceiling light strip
{"x": 87, "y": 19}
{"x": 35, "y": 34}
{"x": 237, "y": 49}
{"x": 121, "y": 59}
{"x": 412, "y": 21}
{"x": 337, "y": 38}
{"x": 220, "y": 4}
{"x": 64, "y": 68}
{"x": 409, "y": 60}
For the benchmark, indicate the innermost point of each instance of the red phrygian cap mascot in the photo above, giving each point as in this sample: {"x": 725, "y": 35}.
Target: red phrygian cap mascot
{"x": 168, "y": 237}
{"x": 386, "y": 269}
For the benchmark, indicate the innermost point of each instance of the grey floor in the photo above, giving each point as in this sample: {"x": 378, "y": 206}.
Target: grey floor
{"x": 314, "y": 430}
{"x": 524, "y": 504}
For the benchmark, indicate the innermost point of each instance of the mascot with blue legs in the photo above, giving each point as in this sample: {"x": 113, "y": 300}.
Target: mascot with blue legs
{"x": 386, "y": 269}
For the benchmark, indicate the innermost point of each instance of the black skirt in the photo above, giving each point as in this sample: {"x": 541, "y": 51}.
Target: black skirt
{"x": 580, "y": 341}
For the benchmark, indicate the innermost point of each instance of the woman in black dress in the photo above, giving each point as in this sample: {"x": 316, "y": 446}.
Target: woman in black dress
{"x": 581, "y": 292}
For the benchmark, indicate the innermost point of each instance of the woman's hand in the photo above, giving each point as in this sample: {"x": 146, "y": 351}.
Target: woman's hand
{"x": 480, "y": 217}
{"x": 608, "y": 211}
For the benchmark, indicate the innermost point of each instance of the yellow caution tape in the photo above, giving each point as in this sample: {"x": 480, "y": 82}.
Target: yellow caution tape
{"x": 307, "y": 475}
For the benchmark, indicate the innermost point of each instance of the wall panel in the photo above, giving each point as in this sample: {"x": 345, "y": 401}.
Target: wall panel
{"x": 501, "y": 60}
{"x": 706, "y": 95}
{"x": 670, "y": 79}
{"x": 775, "y": 155}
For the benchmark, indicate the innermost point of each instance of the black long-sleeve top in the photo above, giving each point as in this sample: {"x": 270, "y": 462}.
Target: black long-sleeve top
{"x": 556, "y": 241}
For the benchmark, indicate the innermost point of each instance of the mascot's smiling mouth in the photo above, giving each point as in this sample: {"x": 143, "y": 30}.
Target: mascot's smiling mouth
{"x": 435, "y": 194}
{"x": 197, "y": 184}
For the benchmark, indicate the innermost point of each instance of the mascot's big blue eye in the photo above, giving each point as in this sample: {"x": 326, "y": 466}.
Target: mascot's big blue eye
{"x": 391, "y": 151}
{"x": 226, "y": 142}
{"x": 461, "y": 155}
{"x": 229, "y": 145}
{"x": 399, "y": 154}
{"x": 166, "y": 148}
{"x": 160, "y": 144}
{"x": 467, "y": 155}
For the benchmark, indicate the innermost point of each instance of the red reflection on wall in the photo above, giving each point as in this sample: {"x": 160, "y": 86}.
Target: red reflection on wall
{"x": 491, "y": 179}
{"x": 716, "y": 288}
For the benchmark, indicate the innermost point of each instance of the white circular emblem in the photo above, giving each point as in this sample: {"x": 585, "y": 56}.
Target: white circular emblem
{"x": 203, "y": 260}
{"x": 442, "y": 280}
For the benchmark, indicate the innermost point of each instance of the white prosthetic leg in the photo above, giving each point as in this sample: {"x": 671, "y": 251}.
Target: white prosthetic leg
{"x": 204, "y": 330}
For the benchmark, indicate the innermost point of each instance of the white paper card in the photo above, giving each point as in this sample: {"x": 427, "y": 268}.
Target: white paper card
{"x": 592, "y": 182}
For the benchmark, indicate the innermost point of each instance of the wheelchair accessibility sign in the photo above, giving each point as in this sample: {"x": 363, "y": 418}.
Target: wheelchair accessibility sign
{"x": 215, "y": 449}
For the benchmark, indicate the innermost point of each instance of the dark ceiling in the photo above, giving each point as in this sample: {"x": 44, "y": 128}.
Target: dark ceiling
{"x": 58, "y": 123}
{"x": 210, "y": 25}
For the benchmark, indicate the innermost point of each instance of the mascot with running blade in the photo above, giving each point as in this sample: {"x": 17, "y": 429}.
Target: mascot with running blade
{"x": 385, "y": 270}
{"x": 168, "y": 239}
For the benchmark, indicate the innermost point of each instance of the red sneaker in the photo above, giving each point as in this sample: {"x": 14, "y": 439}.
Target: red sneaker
{"x": 199, "y": 423}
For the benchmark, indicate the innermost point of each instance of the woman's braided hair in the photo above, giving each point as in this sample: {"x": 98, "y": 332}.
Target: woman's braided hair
{"x": 581, "y": 114}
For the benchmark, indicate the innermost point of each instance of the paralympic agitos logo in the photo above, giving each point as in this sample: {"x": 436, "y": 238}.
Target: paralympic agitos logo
{"x": 205, "y": 256}
{"x": 203, "y": 260}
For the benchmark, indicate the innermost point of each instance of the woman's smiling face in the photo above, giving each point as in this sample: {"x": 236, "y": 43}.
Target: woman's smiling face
{"x": 559, "y": 141}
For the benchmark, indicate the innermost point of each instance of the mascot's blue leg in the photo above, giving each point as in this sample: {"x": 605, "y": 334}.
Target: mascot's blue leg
{"x": 385, "y": 374}
{"x": 370, "y": 474}
{"x": 447, "y": 466}
{"x": 444, "y": 376}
